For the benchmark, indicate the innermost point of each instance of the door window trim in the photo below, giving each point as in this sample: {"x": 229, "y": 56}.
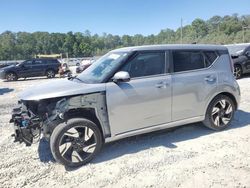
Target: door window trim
{"x": 193, "y": 70}
{"x": 166, "y": 59}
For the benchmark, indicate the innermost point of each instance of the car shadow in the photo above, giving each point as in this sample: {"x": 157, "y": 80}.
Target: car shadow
{"x": 5, "y": 90}
{"x": 166, "y": 138}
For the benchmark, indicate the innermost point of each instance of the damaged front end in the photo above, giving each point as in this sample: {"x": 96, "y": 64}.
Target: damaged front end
{"x": 27, "y": 125}
{"x": 33, "y": 119}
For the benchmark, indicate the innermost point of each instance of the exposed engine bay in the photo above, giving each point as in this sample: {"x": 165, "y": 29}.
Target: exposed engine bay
{"x": 33, "y": 119}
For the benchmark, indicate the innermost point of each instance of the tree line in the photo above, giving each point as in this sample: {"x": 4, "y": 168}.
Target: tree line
{"x": 216, "y": 30}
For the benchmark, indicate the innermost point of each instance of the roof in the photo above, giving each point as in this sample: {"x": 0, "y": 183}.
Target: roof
{"x": 238, "y": 44}
{"x": 171, "y": 47}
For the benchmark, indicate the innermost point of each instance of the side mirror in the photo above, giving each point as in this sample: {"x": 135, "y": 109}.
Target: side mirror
{"x": 121, "y": 76}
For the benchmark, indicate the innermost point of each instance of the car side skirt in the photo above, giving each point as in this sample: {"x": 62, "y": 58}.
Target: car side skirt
{"x": 154, "y": 128}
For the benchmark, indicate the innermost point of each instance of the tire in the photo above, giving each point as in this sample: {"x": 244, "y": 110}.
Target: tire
{"x": 50, "y": 73}
{"x": 11, "y": 76}
{"x": 237, "y": 71}
{"x": 220, "y": 113}
{"x": 75, "y": 142}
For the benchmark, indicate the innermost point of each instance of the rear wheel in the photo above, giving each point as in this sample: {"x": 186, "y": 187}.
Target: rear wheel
{"x": 237, "y": 71}
{"x": 220, "y": 113}
{"x": 50, "y": 74}
{"x": 11, "y": 76}
{"x": 76, "y": 142}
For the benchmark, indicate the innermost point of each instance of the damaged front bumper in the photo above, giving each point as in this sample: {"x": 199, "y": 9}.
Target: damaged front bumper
{"x": 27, "y": 126}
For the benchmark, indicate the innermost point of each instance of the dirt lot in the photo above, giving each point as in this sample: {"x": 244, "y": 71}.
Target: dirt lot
{"x": 189, "y": 156}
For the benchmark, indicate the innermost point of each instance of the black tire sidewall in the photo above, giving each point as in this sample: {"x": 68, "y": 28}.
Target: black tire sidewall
{"x": 62, "y": 128}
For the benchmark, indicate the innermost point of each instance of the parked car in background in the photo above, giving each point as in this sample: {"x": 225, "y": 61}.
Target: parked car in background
{"x": 84, "y": 65}
{"x": 127, "y": 92}
{"x": 71, "y": 61}
{"x": 240, "y": 54}
{"x": 64, "y": 71}
{"x": 31, "y": 68}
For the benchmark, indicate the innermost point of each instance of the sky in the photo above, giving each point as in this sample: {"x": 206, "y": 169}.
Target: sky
{"x": 116, "y": 17}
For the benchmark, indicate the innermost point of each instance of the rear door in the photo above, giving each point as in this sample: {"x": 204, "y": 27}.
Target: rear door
{"x": 144, "y": 101}
{"x": 39, "y": 67}
{"x": 193, "y": 82}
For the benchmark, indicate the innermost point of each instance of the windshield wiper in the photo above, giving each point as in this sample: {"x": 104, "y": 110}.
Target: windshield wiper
{"x": 74, "y": 77}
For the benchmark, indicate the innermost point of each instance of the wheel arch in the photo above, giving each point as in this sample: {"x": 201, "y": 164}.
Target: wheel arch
{"x": 91, "y": 106}
{"x": 231, "y": 96}
{"x": 50, "y": 68}
{"x": 87, "y": 113}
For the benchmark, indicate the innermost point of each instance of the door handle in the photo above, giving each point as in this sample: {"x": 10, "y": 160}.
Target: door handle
{"x": 162, "y": 85}
{"x": 210, "y": 78}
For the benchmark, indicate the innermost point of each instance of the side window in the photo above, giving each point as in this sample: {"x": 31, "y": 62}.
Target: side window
{"x": 51, "y": 61}
{"x": 28, "y": 63}
{"x": 188, "y": 60}
{"x": 210, "y": 57}
{"x": 146, "y": 64}
{"x": 38, "y": 62}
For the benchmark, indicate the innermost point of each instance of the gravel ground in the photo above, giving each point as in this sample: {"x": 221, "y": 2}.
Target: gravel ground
{"x": 189, "y": 156}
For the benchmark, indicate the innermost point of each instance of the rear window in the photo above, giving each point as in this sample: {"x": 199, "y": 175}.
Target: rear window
{"x": 192, "y": 60}
{"x": 187, "y": 60}
{"x": 210, "y": 57}
{"x": 52, "y": 61}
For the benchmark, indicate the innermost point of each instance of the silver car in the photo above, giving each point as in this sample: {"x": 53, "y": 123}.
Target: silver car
{"x": 129, "y": 91}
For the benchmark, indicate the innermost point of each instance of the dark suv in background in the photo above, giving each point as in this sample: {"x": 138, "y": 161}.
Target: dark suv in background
{"x": 31, "y": 68}
{"x": 240, "y": 54}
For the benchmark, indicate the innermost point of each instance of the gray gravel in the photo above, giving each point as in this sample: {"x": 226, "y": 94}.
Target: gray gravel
{"x": 189, "y": 156}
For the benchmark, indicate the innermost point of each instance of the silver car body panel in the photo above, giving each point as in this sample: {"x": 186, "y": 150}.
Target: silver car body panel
{"x": 155, "y": 128}
{"x": 60, "y": 88}
{"x": 96, "y": 101}
{"x": 139, "y": 103}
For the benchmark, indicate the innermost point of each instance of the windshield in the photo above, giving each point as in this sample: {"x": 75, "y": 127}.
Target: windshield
{"x": 102, "y": 67}
{"x": 236, "y": 49}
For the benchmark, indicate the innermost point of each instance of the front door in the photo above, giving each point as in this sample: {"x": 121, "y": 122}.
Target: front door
{"x": 144, "y": 101}
{"x": 25, "y": 69}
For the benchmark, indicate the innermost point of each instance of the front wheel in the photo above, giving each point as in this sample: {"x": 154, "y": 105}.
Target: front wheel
{"x": 11, "y": 76}
{"x": 220, "y": 113}
{"x": 75, "y": 142}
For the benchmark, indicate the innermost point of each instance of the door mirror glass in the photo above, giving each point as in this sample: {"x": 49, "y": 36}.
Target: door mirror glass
{"x": 121, "y": 76}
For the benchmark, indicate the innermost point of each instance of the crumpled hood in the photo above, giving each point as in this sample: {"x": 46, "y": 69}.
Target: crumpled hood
{"x": 59, "y": 88}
